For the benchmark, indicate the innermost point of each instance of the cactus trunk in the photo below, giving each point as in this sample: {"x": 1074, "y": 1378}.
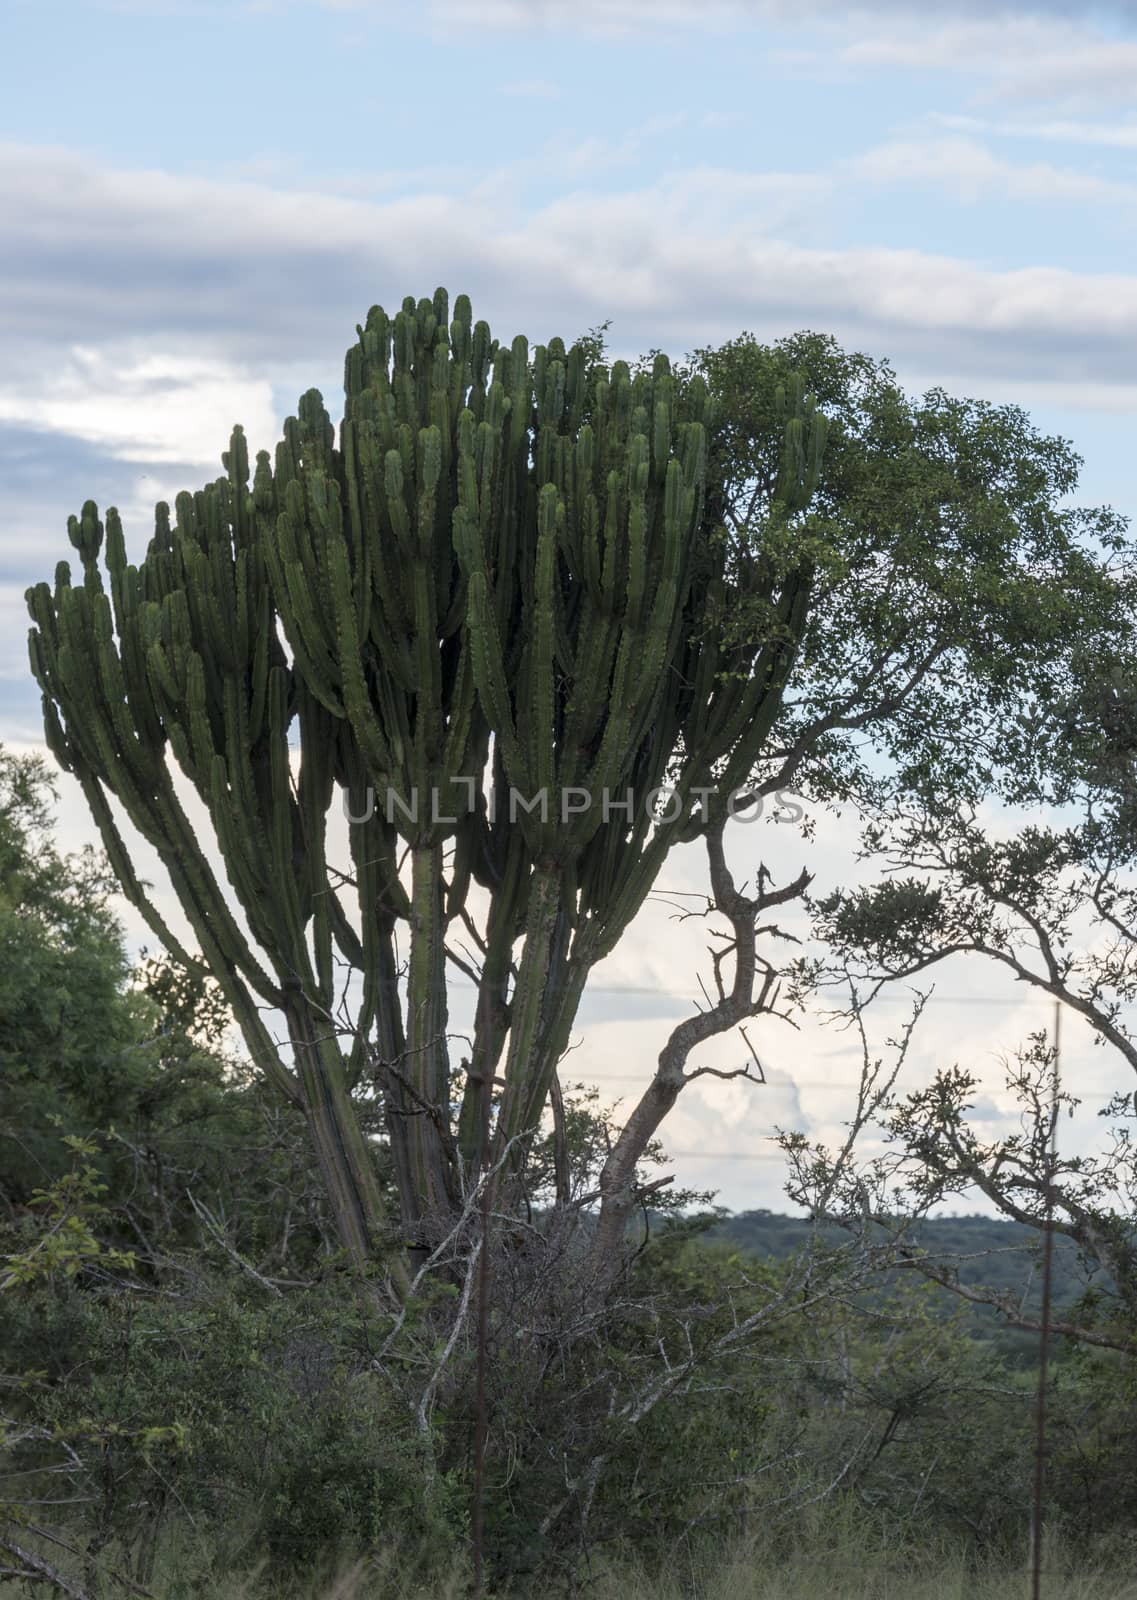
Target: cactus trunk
{"x": 422, "y": 1087}
{"x": 526, "y": 1075}
{"x": 347, "y": 1164}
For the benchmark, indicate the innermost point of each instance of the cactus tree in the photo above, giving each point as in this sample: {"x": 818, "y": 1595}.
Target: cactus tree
{"x": 491, "y": 615}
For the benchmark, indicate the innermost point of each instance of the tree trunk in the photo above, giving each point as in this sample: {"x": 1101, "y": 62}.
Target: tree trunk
{"x": 526, "y": 1084}
{"x": 421, "y": 1082}
{"x": 347, "y": 1164}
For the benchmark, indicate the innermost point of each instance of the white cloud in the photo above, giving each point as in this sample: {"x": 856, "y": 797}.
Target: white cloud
{"x": 186, "y": 323}
{"x": 1024, "y": 58}
{"x": 971, "y": 170}
{"x": 593, "y": 16}
{"x": 1032, "y": 393}
{"x": 1060, "y": 51}
{"x": 976, "y": 1018}
{"x": 613, "y": 16}
{"x": 148, "y": 407}
{"x": 14, "y": 625}
{"x": 1088, "y": 75}
{"x": 564, "y": 157}
{"x": 1117, "y": 135}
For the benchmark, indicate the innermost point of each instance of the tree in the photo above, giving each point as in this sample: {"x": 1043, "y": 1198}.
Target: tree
{"x": 935, "y": 1148}
{"x": 1054, "y": 902}
{"x": 951, "y": 596}
{"x": 73, "y": 1035}
{"x": 523, "y": 575}
{"x": 134, "y": 1059}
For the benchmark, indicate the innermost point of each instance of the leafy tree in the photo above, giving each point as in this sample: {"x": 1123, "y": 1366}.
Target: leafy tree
{"x": 136, "y": 1060}
{"x": 71, "y": 1034}
{"x": 1053, "y": 901}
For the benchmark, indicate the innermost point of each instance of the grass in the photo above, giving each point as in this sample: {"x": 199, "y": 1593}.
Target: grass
{"x": 743, "y": 1577}
{"x": 831, "y": 1557}
{"x": 803, "y": 1578}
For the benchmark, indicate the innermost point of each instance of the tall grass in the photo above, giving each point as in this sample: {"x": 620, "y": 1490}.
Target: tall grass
{"x": 832, "y": 1558}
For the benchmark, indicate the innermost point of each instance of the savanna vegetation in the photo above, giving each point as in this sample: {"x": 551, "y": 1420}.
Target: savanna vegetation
{"x": 301, "y": 1293}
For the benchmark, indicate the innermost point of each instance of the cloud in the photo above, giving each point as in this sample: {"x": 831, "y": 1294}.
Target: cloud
{"x": 971, "y": 170}
{"x": 261, "y": 280}
{"x": 607, "y": 16}
{"x": 1027, "y": 57}
{"x": 233, "y": 261}
{"x": 1089, "y": 75}
{"x": 1035, "y": 392}
{"x": 591, "y": 16}
{"x": 21, "y": 697}
{"x": 1117, "y": 135}
{"x": 1055, "y": 51}
{"x": 49, "y": 475}
{"x": 155, "y": 408}
{"x": 565, "y": 158}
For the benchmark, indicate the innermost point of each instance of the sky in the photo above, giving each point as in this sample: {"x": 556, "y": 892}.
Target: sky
{"x": 201, "y": 201}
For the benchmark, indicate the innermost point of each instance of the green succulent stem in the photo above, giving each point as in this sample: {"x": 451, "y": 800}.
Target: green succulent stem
{"x": 526, "y": 1083}
{"x": 347, "y": 1164}
{"x": 421, "y": 1083}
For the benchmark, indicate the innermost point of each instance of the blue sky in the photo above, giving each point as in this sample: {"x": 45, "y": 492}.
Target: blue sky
{"x": 201, "y": 200}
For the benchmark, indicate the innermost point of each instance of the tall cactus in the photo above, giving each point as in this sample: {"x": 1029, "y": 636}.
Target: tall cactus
{"x": 532, "y": 529}
{"x": 498, "y": 597}
{"x": 183, "y": 655}
{"x": 374, "y": 604}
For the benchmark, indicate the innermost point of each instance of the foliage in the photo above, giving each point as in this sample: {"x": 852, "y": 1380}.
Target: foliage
{"x": 68, "y": 1031}
{"x": 956, "y": 588}
{"x": 65, "y": 1243}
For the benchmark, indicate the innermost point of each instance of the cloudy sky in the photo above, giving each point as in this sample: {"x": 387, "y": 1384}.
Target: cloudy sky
{"x": 201, "y": 200}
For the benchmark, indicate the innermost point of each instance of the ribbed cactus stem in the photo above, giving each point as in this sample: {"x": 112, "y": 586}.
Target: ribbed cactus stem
{"x": 505, "y": 920}
{"x": 422, "y": 1081}
{"x": 346, "y": 1163}
{"x": 522, "y": 1099}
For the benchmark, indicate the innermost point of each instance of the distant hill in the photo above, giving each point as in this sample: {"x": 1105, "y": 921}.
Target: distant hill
{"x": 985, "y": 1251}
